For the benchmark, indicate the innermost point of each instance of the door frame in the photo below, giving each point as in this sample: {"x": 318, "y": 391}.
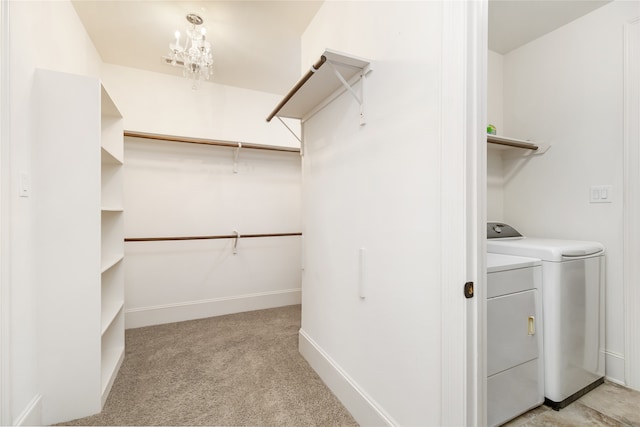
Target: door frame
{"x": 631, "y": 281}
{"x": 5, "y": 222}
{"x": 463, "y": 212}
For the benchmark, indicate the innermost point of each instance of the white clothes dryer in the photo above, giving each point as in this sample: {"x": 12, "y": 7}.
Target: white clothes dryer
{"x": 572, "y": 307}
{"x": 515, "y": 374}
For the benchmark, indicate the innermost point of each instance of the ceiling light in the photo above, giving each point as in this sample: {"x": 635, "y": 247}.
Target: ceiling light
{"x": 195, "y": 55}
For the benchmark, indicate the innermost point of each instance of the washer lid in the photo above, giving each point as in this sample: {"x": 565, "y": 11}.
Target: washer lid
{"x": 499, "y": 262}
{"x": 545, "y": 249}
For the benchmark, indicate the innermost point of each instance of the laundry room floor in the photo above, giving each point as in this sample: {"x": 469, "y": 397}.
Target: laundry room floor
{"x": 607, "y": 405}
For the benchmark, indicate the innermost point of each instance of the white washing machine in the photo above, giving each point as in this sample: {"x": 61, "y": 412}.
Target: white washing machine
{"x": 515, "y": 370}
{"x": 572, "y": 306}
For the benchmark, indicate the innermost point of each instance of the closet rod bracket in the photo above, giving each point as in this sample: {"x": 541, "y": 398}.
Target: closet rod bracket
{"x": 542, "y": 148}
{"x": 235, "y": 242}
{"x": 236, "y": 156}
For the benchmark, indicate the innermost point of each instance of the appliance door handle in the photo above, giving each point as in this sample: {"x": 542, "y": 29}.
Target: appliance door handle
{"x": 531, "y": 325}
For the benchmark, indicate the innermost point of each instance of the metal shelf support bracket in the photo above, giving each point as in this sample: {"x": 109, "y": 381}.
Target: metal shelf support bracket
{"x": 294, "y": 134}
{"x": 359, "y": 98}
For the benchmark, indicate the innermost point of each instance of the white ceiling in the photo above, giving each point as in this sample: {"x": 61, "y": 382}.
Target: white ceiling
{"x": 256, "y": 44}
{"x": 514, "y": 23}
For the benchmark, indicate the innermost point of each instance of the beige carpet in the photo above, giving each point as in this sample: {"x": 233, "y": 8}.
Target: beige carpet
{"x": 235, "y": 370}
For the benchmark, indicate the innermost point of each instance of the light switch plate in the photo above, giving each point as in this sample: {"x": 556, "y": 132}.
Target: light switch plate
{"x": 24, "y": 189}
{"x": 601, "y": 194}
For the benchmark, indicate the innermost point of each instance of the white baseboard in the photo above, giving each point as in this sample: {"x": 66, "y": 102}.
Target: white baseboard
{"x": 614, "y": 363}
{"x": 365, "y": 411}
{"x": 32, "y": 414}
{"x": 157, "y": 315}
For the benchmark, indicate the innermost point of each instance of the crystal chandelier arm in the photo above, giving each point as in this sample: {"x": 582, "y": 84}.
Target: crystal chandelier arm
{"x": 195, "y": 56}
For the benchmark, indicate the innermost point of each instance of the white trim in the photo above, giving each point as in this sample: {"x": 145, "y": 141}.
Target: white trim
{"x": 5, "y": 219}
{"x": 632, "y": 203}
{"x": 190, "y": 310}
{"x": 32, "y": 414}
{"x": 362, "y": 407}
{"x": 462, "y": 107}
{"x": 615, "y": 367}
{"x": 476, "y": 208}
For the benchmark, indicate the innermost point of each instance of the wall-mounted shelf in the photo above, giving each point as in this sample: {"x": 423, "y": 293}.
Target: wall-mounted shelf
{"x": 537, "y": 148}
{"x": 331, "y": 75}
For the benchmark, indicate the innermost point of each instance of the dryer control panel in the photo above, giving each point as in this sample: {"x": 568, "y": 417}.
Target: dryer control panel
{"x": 497, "y": 230}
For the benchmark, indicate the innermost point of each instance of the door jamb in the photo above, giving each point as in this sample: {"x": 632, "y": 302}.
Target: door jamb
{"x": 5, "y": 220}
{"x": 631, "y": 232}
{"x": 463, "y": 184}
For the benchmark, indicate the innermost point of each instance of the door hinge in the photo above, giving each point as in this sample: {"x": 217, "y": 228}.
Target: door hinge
{"x": 468, "y": 290}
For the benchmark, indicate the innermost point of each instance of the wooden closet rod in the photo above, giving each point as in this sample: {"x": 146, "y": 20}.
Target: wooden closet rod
{"x": 297, "y": 87}
{"x": 516, "y": 145}
{"x": 203, "y": 141}
{"x": 226, "y": 236}
{"x": 511, "y": 142}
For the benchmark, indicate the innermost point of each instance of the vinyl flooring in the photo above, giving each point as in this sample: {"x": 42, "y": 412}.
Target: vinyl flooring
{"x": 607, "y": 405}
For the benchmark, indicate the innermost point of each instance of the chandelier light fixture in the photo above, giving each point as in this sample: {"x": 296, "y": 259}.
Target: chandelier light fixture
{"x": 195, "y": 55}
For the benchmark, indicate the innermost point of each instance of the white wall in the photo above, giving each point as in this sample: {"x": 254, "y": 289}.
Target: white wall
{"x": 174, "y": 189}
{"x": 44, "y": 34}
{"x": 377, "y": 187}
{"x": 495, "y": 91}
{"x": 165, "y": 104}
{"x": 566, "y": 89}
{"x": 495, "y": 116}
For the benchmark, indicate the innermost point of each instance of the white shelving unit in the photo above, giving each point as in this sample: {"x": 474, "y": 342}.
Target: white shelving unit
{"x": 112, "y": 243}
{"x": 79, "y": 243}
